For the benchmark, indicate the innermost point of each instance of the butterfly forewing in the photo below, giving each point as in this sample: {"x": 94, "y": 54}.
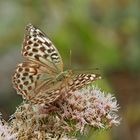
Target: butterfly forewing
{"x": 37, "y": 47}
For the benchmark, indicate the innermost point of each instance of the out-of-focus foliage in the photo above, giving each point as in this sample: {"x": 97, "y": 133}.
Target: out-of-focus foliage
{"x": 100, "y": 34}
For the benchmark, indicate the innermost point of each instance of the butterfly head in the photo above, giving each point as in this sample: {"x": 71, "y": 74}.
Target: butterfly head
{"x": 68, "y": 73}
{"x": 64, "y": 75}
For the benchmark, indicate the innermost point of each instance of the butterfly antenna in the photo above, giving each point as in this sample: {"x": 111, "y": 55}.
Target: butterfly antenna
{"x": 70, "y": 58}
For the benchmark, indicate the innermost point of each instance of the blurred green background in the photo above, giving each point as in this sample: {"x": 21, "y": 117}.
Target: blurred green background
{"x": 100, "y": 34}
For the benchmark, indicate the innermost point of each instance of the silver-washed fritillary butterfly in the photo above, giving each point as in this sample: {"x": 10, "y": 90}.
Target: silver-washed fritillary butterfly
{"x": 40, "y": 79}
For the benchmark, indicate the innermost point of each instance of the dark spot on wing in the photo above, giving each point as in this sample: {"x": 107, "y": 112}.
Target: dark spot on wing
{"x": 27, "y": 69}
{"x": 25, "y": 53}
{"x": 34, "y": 50}
{"x": 21, "y": 86}
{"x": 45, "y": 56}
{"x": 28, "y": 48}
{"x": 48, "y": 44}
{"x": 37, "y": 56}
{"x": 34, "y": 35}
{"x": 18, "y": 81}
{"x": 29, "y": 88}
{"x": 40, "y": 42}
{"x": 25, "y": 74}
{"x": 23, "y": 78}
{"x": 34, "y": 39}
{"x": 20, "y": 69}
{"x": 42, "y": 49}
{"x": 30, "y": 54}
{"x": 36, "y": 44}
{"x": 30, "y": 42}
{"x": 17, "y": 75}
{"x": 26, "y": 83}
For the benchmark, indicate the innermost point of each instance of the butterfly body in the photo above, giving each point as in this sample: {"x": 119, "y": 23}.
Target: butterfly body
{"x": 41, "y": 79}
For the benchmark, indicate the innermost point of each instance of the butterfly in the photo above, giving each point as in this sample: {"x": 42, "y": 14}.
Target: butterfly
{"x": 41, "y": 79}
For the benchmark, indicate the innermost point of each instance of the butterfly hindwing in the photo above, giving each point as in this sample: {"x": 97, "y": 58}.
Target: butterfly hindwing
{"x": 25, "y": 79}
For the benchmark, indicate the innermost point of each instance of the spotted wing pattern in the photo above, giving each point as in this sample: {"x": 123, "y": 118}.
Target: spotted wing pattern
{"x": 38, "y": 47}
{"x": 82, "y": 80}
{"x": 25, "y": 78}
{"x": 29, "y": 82}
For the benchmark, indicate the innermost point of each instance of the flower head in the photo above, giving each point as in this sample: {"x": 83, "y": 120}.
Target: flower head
{"x": 89, "y": 107}
{"x": 67, "y": 117}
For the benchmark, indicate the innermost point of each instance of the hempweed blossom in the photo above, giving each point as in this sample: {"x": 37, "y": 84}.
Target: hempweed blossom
{"x": 68, "y": 117}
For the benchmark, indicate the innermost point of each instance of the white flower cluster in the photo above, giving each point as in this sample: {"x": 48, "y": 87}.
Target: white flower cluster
{"x": 63, "y": 120}
{"x": 92, "y": 107}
